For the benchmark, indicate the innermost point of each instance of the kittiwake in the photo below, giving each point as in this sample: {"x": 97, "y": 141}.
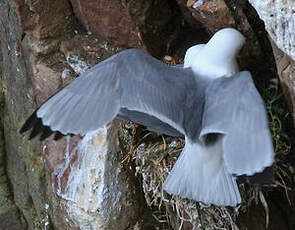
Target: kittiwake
{"x": 216, "y": 108}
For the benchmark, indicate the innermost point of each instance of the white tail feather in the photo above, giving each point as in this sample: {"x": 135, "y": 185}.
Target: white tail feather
{"x": 200, "y": 174}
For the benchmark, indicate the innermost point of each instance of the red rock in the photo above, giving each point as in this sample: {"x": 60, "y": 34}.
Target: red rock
{"x": 45, "y": 86}
{"x": 128, "y": 24}
{"x": 212, "y": 14}
{"x": 108, "y": 19}
{"x": 38, "y": 19}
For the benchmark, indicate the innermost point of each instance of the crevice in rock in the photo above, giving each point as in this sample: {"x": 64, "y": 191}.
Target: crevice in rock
{"x": 258, "y": 28}
{"x": 5, "y": 184}
{"x": 23, "y": 36}
{"x": 77, "y": 24}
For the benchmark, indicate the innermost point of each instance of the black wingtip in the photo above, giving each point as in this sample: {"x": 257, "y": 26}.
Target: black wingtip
{"x": 47, "y": 132}
{"x": 29, "y": 123}
{"x": 37, "y": 129}
{"x": 35, "y": 124}
{"x": 58, "y": 136}
{"x": 264, "y": 178}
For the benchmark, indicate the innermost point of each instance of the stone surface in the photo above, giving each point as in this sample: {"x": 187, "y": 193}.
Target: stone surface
{"x": 24, "y": 167}
{"x": 286, "y": 72}
{"x": 128, "y": 23}
{"x": 39, "y": 20}
{"x": 93, "y": 179}
{"x": 213, "y": 14}
{"x": 108, "y": 19}
{"x": 82, "y": 51}
{"x": 10, "y": 217}
{"x": 279, "y": 19}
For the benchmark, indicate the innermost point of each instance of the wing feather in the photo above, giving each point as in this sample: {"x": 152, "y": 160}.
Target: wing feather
{"x": 131, "y": 80}
{"x": 234, "y": 108}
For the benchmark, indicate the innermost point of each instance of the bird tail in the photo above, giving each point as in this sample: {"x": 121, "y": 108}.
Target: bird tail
{"x": 199, "y": 174}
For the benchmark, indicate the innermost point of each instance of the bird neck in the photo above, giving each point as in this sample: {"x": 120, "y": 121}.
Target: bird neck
{"x": 217, "y": 59}
{"x": 212, "y": 60}
{"x": 214, "y": 67}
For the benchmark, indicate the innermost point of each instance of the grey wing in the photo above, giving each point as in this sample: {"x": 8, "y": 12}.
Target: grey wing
{"x": 234, "y": 108}
{"x": 78, "y": 107}
{"x": 130, "y": 80}
{"x": 178, "y": 66}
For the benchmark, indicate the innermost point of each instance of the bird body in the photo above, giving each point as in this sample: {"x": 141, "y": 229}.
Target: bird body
{"x": 209, "y": 102}
{"x": 203, "y": 176}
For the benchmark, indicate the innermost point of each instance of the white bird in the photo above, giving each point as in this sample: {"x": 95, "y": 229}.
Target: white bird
{"x": 214, "y": 106}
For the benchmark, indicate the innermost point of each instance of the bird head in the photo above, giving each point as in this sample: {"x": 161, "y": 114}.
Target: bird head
{"x": 218, "y": 56}
{"x": 226, "y": 43}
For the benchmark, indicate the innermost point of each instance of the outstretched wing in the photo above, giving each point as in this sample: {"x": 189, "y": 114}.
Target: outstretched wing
{"x": 234, "y": 108}
{"x": 131, "y": 85}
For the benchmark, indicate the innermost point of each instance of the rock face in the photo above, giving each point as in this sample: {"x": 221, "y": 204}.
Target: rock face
{"x": 279, "y": 17}
{"x": 9, "y": 214}
{"x": 23, "y": 166}
{"x": 127, "y": 23}
{"x": 81, "y": 182}
{"x": 214, "y": 14}
{"x": 102, "y": 18}
{"x": 286, "y": 72}
{"x": 36, "y": 60}
{"x": 98, "y": 190}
